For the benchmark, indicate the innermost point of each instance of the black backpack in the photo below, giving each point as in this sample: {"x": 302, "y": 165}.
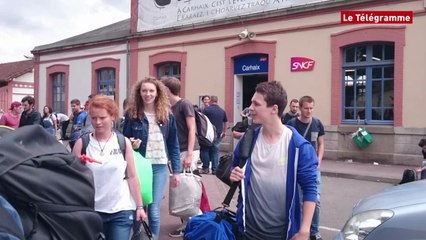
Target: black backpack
{"x": 85, "y": 139}
{"x": 205, "y": 130}
{"x": 409, "y": 175}
{"x": 121, "y": 142}
{"x": 50, "y": 188}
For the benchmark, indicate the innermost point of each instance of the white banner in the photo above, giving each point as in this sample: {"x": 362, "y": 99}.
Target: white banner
{"x": 157, "y": 14}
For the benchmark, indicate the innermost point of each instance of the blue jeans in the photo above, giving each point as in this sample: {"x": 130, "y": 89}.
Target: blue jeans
{"x": 160, "y": 174}
{"x": 211, "y": 154}
{"x": 423, "y": 173}
{"x": 117, "y": 225}
{"x": 316, "y": 217}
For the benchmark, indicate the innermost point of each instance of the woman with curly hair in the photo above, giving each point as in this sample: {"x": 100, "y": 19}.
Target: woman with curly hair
{"x": 152, "y": 128}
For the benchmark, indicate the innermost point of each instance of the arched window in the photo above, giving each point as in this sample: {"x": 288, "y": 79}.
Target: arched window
{"x": 106, "y": 81}
{"x": 58, "y": 92}
{"x": 368, "y": 83}
{"x": 57, "y": 87}
{"x": 171, "y": 69}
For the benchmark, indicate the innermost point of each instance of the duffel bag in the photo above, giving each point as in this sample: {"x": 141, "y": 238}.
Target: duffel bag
{"x": 215, "y": 225}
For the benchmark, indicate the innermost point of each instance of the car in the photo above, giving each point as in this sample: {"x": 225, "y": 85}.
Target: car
{"x": 396, "y": 213}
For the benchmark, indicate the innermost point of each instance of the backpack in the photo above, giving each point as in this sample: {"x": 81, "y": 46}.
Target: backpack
{"x": 206, "y": 131}
{"x": 120, "y": 137}
{"x": 409, "y": 175}
{"x": 121, "y": 142}
{"x": 79, "y": 130}
{"x": 241, "y": 126}
{"x": 51, "y": 189}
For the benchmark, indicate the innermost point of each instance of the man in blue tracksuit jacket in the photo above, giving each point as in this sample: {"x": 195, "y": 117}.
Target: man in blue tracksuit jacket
{"x": 281, "y": 160}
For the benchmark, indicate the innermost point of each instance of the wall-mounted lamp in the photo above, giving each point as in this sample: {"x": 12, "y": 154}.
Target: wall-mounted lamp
{"x": 246, "y": 34}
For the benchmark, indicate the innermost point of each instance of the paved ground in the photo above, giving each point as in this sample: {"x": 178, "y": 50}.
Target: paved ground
{"x": 354, "y": 170}
{"x": 364, "y": 171}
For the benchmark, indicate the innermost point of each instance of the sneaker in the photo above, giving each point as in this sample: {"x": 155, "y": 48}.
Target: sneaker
{"x": 316, "y": 237}
{"x": 177, "y": 233}
{"x": 204, "y": 171}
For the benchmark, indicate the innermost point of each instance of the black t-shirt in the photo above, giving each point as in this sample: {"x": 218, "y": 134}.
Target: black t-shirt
{"x": 314, "y": 132}
{"x": 31, "y": 118}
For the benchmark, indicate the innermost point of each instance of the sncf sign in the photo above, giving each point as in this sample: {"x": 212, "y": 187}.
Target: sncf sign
{"x": 299, "y": 64}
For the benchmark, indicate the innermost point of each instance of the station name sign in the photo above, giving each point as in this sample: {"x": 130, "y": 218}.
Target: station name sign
{"x": 253, "y": 63}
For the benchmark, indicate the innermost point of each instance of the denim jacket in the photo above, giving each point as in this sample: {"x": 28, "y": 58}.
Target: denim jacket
{"x": 139, "y": 129}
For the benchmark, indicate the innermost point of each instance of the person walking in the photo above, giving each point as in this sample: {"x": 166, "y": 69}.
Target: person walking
{"x": 151, "y": 125}
{"x": 293, "y": 113}
{"x": 312, "y": 130}
{"x": 117, "y": 192}
{"x": 219, "y": 119}
{"x": 206, "y": 102}
{"x": 422, "y": 169}
{"x": 280, "y": 161}
{"x": 11, "y": 119}
{"x": 186, "y": 128}
{"x": 29, "y": 116}
{"x": 48, "y": 121}
{"x": 79, "y": 121}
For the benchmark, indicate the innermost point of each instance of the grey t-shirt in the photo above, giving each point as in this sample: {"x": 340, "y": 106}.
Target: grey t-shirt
{"x": 182, "y": 109}
{"x": 266, "y": 217}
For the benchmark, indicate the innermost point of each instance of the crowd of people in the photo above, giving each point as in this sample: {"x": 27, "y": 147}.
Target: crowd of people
{"x": 160, "y": 125}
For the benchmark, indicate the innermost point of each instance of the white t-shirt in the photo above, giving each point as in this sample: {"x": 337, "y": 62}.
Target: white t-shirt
{"x": 155, "y": 148}
{"x": 62, "y": 117}
{"x": 265, "y": 211}
{"x": 112, "y": 193}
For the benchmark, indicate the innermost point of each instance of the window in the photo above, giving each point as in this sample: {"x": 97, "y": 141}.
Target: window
{"x": 368, "y": 83}
{"x": 106, "y": 81}
{"x": 58, "y": 92}
{"x": 171, "y": 69}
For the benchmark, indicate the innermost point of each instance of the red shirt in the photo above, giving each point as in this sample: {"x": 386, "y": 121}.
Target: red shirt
{"x": 10, "y": 120}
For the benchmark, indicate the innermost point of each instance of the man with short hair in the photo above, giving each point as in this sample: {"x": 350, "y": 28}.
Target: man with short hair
{"x": 281, "y": 160}
{"x": 217, "y": 117}
{"x": 206, "y": 102}
{"x": 313, "y": 130}
{"x": 293, "y": 113}
{"x": 29, "y": 116}
{"x": 79, "y": 118}
{"x": 186, "y": 128}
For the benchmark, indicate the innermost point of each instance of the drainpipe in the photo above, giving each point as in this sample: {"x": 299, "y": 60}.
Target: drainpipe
{"x": 127, "y": 69}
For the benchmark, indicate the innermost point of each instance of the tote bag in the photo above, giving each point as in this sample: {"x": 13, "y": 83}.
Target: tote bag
{"x": 184, "y": 199}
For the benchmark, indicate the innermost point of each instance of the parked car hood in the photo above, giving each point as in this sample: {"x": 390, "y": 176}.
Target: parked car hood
{"x": 402, "y": 195}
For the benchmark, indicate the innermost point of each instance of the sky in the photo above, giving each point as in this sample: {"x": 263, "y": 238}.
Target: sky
{"x": 25, "y": 24}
